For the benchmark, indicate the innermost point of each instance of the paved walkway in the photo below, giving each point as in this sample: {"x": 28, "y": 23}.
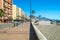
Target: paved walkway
{"x": 21, "y": 32}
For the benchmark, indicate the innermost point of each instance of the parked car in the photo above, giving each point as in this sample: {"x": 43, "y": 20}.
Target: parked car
{"x": 36, "y": 22}
{"x": 58, "y": 22}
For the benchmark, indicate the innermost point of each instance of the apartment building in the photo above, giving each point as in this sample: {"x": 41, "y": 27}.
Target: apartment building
{"x": 7, "y": 6}
{"x": 22, "y": 14}
{"x": 14, "y": 12}
{"x": 17, "y": 13}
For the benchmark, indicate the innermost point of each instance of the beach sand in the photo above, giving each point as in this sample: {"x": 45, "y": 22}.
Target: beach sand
{"x": 51, "y": 32}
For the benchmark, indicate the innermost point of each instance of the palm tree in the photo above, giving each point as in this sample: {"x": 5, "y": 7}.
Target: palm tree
{"x": 39, "y": 17}
{"x": 32, "y": 12}
{"x": 32, "y": 16}
{"x": 2, "y": 13}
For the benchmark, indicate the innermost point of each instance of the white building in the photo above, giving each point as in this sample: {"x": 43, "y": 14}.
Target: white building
{"x": 17, "y": 13}
{"x": 14, "y": 12}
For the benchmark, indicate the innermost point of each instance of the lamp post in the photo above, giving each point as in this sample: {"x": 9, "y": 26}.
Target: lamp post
{"x": 30, "y": 11}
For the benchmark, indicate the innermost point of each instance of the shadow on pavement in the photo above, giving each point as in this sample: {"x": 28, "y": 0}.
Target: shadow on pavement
{"x": 33, "y": 35}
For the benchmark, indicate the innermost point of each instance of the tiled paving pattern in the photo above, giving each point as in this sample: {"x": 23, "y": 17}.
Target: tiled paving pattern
{"x": 16, "y": 33}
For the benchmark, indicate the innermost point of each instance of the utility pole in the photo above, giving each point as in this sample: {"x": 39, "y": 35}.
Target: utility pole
{"x": 30, "y": 11}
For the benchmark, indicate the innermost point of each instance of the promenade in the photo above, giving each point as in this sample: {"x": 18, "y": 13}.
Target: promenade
{"x": 21, "y": 32}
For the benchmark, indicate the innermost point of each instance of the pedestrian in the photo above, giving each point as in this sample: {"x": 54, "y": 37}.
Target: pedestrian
{"x": 14, "y": 24}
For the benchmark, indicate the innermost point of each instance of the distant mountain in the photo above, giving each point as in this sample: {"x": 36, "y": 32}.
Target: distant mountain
{"x": 44, "y": 18}
{"x": 47, "y": 19}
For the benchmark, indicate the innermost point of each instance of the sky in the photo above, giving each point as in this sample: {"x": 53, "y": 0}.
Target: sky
{"x": 24, "y": 5}
{"x": 45, "y": 8}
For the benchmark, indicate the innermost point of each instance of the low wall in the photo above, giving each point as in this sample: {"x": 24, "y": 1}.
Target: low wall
{"x": 39, "y": 34}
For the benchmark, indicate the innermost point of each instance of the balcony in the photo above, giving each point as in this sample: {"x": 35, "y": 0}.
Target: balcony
{"x": 9, "y": 2}
{"x": 9, "y": 13}
{"x": 7, "y": 7}
{"x": 9, "y": 16}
